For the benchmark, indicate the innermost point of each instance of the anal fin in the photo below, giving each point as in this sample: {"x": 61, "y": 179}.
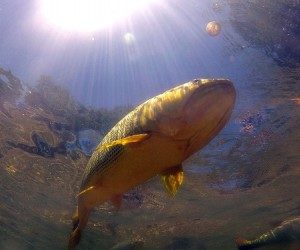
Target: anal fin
{"x": 172, "y": 179}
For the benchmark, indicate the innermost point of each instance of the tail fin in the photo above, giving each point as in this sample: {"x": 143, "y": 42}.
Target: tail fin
{"x": 242, "y": 243}
{"x": 76, "y": 234}
{"x": 79, "y": 221}
{"x": 74, "y": 238}
{"x": 75, "y": 219}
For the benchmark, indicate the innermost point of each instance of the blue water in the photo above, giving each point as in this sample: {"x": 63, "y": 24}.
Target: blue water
{"x": 243, "y": 183}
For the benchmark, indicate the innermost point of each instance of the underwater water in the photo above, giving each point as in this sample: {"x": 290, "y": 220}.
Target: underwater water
{"x": 244, "y": 183}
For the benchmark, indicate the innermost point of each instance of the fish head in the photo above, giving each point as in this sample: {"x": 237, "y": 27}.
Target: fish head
{"x": 209, "y": 106}
{"x": 206, "y": 111}
{"x": 195, "y": 111}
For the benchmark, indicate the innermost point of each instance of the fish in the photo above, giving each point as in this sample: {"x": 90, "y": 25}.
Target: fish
{"x": 287, "y": 231}
{"x": 153, "y": 139}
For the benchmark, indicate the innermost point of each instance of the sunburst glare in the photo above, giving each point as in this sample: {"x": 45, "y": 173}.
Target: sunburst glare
{"x": 89, "y": 15}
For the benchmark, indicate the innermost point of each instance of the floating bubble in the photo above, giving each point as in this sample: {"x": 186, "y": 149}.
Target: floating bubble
{"x": 129, "y": 38}
{"x": 213, "y": 28}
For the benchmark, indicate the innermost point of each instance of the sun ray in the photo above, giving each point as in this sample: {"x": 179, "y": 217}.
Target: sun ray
{"x": 89, "y": 15}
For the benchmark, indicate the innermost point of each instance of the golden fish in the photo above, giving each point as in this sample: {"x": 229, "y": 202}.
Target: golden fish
{"x": 154, "y": 139}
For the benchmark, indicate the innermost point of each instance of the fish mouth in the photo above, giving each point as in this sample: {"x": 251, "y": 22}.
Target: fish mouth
{"x": 225, "y": 118}
{"x": 216, "y": 102}
{"x": 217, "y": 93}
{"x": 211, "y": 82}
{"x": 198, "y": 141}
{"x": 230, "y": 91}
{"x": 208, "y": 86}
{"x": 207, "y": 106}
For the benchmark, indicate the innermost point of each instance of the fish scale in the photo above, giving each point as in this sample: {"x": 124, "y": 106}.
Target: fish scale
{"x": 100, "y": 160}
{"x": 103, "y": 156}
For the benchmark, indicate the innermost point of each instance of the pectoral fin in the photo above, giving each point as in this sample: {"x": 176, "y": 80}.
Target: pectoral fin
{"x": 106, "y": 154}
{"x": 133, "y": 139}
{"x": 86, "y": 190}
{"x": 172, "y": 179}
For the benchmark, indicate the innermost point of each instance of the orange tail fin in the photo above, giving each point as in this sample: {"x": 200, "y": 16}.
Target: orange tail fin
{"x": 75, "y": 219}
{"x": 74, "y": 239}
{"x": 79, "y": 220}
{"x": 75, "y": 235}
{"x": 242, "y": 243}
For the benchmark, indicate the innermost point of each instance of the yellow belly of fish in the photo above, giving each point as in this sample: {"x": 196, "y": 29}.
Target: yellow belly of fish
{"x": 135, "y": 166}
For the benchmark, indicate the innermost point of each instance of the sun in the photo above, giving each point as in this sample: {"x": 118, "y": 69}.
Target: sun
{"x": 89, "y": 15}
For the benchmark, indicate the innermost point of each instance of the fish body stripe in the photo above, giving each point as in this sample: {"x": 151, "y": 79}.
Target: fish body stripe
{"x": 100, "y": 161}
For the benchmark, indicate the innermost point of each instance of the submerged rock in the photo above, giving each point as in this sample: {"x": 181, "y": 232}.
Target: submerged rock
{"x": 10, "y": 85}
{"x": 128, "y": 245}
{"x": 10, "y": 89}
{"x": 88, "y": 140}
{"x": 134, "y": 198}
{"x": 271, "y": 25}
{"x": 58, "y": 127}
{"x": 185, "y": 243}
{"x": 42, "y": 147}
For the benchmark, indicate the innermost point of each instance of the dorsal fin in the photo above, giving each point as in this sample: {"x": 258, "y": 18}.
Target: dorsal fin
{"x": 172, "y": 179}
